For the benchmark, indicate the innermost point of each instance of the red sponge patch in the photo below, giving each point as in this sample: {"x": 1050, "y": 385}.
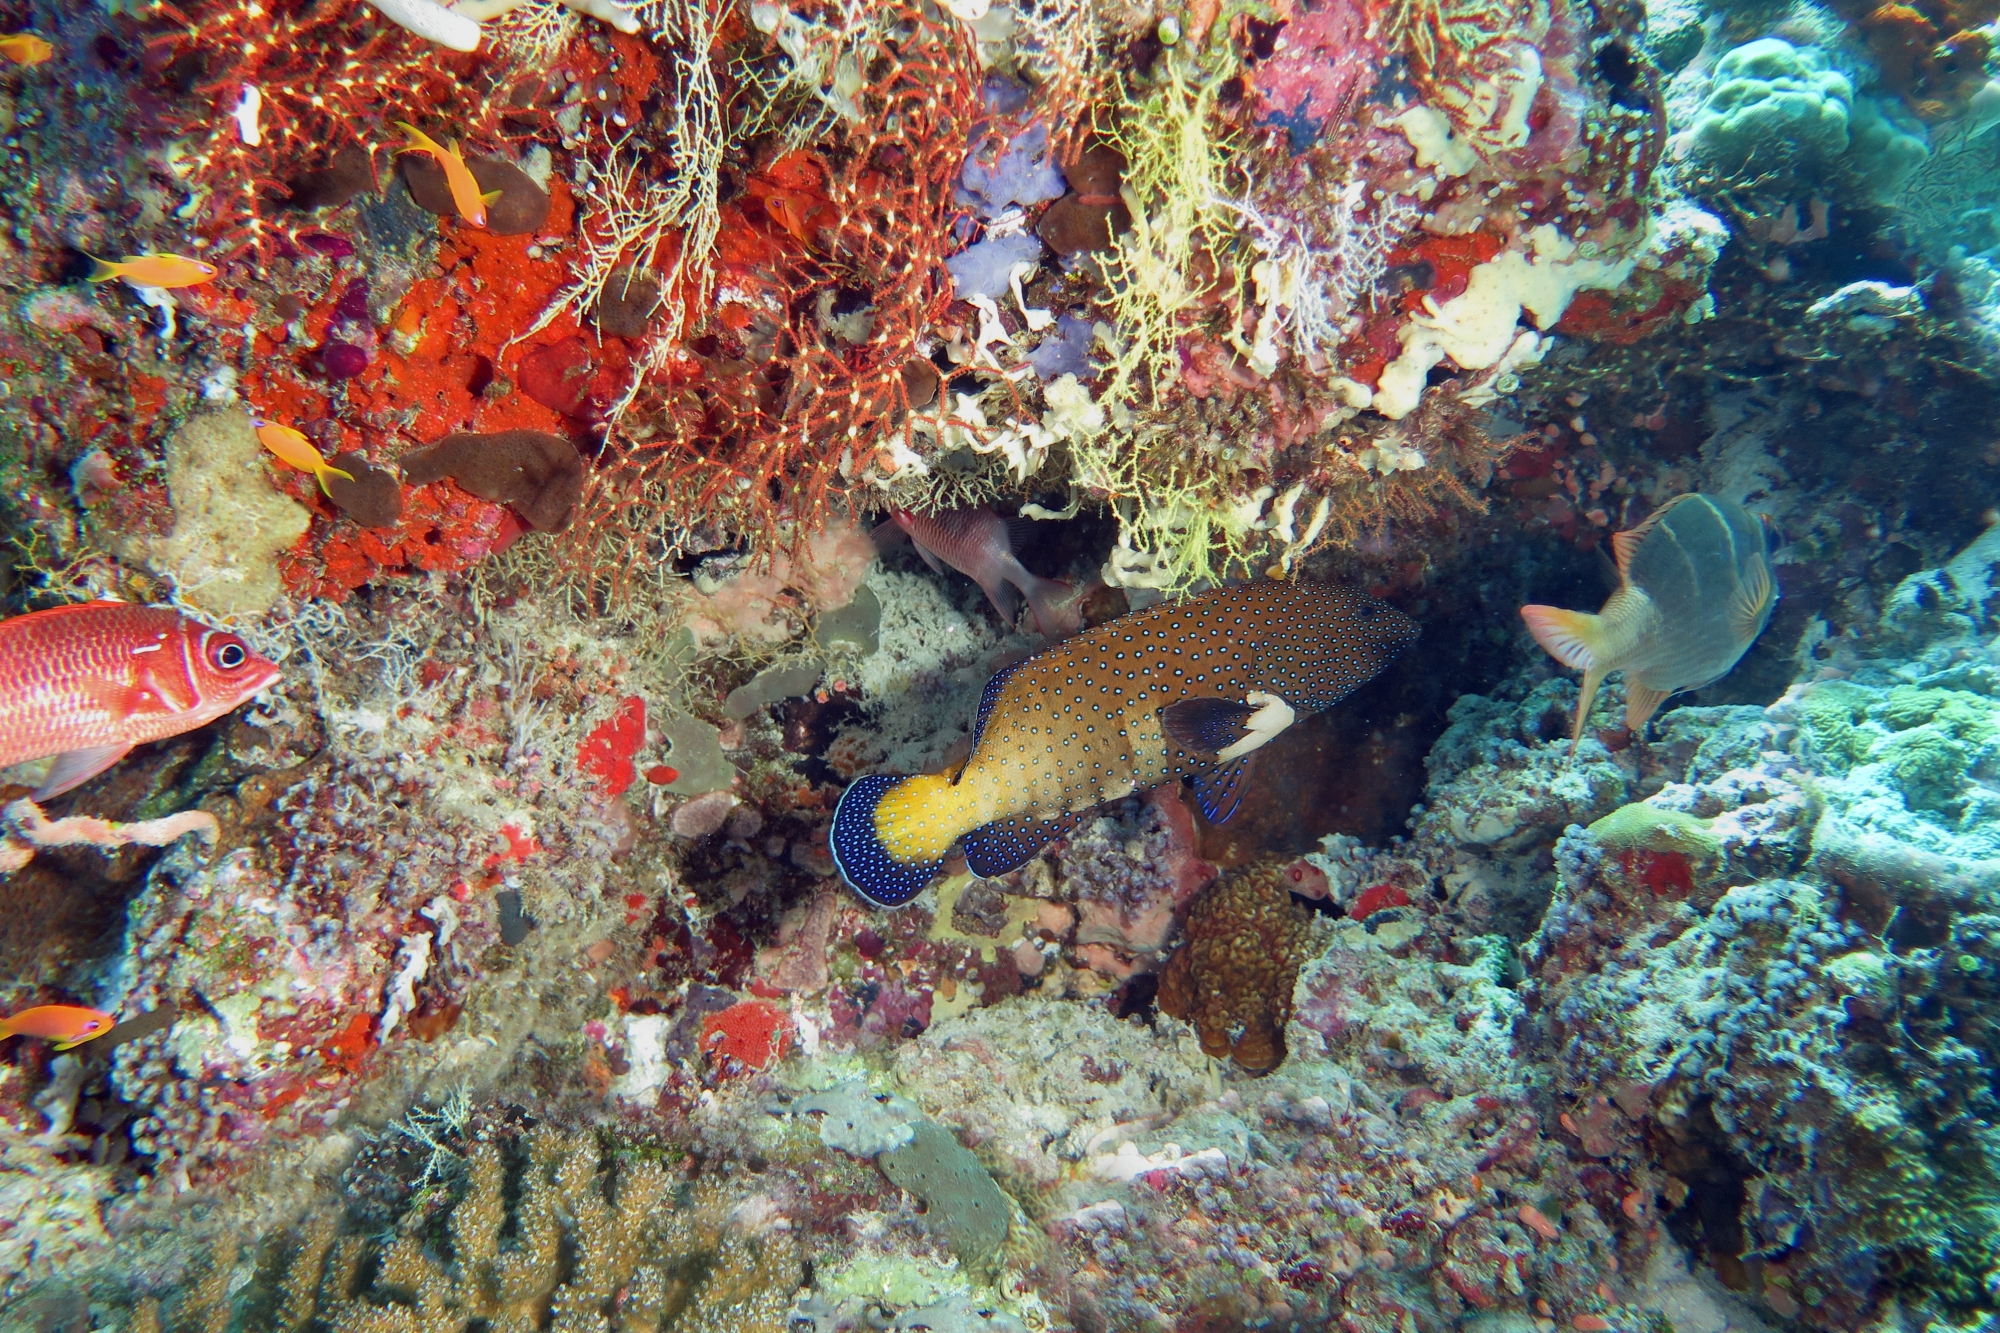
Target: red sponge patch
{"x": 745, "y": 1036}
{"x": 606, "y": 753}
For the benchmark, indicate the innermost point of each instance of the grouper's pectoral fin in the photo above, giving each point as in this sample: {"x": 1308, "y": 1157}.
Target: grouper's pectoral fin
{"x": 1008, "y": 844}
{"x": 1205, "y": 726}
{"x": 1221, "y": 731}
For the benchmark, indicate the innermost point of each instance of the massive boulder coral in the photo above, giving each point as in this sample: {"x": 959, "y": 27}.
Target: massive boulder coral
{"x": 1233, "y": 977}
{"x": 1773, "y": 107}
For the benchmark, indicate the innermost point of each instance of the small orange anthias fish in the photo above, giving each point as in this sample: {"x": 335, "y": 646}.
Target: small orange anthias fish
{"x": 1695, "y": 590}
{"x": 290, "y": 446}
{"x": 86, "y": 683}
{"x": 1183, "y": 689}
{"x": 67, "y": 1024}
{"x": 979, "y": 544}
{"x": 25, "y": 48}
{"x": 154, "y": 270}
{"x": 465, "y": 193}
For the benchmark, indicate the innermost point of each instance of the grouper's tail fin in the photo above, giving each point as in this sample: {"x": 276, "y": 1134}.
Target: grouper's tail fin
{"x": 873, "y": 871}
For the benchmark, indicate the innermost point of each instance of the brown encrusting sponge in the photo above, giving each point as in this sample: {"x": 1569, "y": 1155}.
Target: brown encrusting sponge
{"x": 538, "y": 475}
{"x": 373, "y": 498}
{"x": 1233, "y": 978}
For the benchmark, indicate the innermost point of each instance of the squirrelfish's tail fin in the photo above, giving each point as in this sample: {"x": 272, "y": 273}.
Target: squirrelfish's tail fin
{"x": 868, "y": 866}
{"x": 1057, "y": 614}
{"x": 1576, "y": 639}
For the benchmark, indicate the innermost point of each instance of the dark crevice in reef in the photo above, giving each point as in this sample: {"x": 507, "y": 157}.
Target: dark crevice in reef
{"x": 1708, "y": 1220}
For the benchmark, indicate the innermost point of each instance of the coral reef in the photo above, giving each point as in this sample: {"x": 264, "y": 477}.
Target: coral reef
{"x": 511, "y": 983}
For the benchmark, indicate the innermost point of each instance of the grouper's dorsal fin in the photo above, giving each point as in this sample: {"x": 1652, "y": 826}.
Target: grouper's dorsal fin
{"x": 990, "y": 696}
{"x": 1625, "y": 543}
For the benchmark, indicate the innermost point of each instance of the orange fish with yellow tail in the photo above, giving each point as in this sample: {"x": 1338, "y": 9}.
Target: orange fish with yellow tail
{"x": 86, "y": 683}
{"x": 291, "y": 446}
{"x": 465, "y": 195}
{"x": 154, "y": 270}
{"x": 1184, "y": 689}
{"x": 1694, "y": 592}
{"x": 68, "y": 1025}
{"x": 26, "y": 48}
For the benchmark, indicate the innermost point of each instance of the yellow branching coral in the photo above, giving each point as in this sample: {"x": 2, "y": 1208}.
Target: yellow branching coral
{"x": 628, "y": 1248}
{"x": 1165, "y": 270}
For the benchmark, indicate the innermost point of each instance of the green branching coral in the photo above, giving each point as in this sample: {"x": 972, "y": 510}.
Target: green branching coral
{"x": 564, "y": 1242}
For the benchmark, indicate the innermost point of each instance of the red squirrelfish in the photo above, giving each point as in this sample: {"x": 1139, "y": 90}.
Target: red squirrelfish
{"x": 68, "y": 1024}
{"x": 979, "y": 544}
{"x": 1184, "y": 689}
{"x": 1694, "y": 592}
{"x": 86, "y": 683}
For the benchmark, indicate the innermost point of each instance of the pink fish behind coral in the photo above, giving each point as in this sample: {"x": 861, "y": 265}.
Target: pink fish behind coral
{"x": 977, "y": 543}
{"x": 88, "y": 682}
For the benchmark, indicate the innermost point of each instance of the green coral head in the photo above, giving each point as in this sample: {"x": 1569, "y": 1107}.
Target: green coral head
{"x": 1640, "y": 827}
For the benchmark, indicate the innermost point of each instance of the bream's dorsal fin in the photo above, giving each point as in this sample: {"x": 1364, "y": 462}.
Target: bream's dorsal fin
{"x": 1625, "y": 543}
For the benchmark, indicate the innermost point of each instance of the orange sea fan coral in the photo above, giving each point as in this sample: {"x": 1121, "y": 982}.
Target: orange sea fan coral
{"x": 281, "y": 86}
{"x": 829, "y": 282}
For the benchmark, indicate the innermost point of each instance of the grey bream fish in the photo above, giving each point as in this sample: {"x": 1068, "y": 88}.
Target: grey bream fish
{"x": 1184, "y": 689}
{"x": 1694, "y": 592}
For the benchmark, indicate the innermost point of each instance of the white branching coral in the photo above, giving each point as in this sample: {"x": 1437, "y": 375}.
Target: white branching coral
{"x": 633, "y": 222}
{"x": 459, "y": 25}
{"x": 815, "y": 85}
{"x": 1314, "y": 276}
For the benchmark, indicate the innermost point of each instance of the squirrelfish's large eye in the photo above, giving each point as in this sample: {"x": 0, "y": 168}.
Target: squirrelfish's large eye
{"x": 226, "y": 652}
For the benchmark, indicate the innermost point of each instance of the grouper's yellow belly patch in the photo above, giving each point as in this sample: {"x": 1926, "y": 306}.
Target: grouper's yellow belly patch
{"x": 919, "y": 819}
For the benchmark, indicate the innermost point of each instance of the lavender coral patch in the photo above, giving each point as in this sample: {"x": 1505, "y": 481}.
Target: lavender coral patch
{"x": 982, "y": 268}
{"x": 1006, "y": 171}
{"x": 1065, "y": 350}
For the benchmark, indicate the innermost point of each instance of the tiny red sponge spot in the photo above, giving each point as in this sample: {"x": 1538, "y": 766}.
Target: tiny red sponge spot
{"x": 1378, "y": 899}
{"x": 660, "y": 775}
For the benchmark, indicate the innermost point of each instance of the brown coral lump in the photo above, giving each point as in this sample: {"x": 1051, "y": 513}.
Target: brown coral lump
{"x": 1233, "y": 978}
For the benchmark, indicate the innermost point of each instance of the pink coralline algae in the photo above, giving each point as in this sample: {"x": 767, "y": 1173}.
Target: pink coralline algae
{"x": 1315, "y": 70}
